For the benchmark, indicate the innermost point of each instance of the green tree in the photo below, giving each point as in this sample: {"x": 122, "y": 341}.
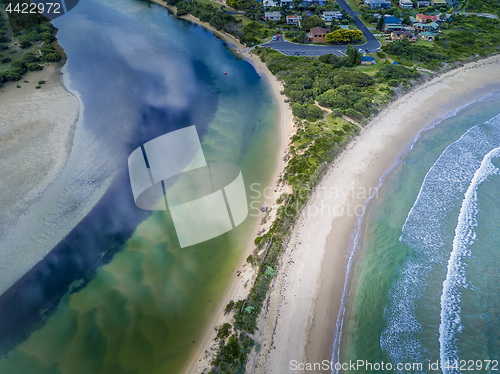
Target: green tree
{"x": 353, "y": 56}
{"x": 309, "y": 22}
{"x": 380, "y": 23}
{"x": 344, "y": 36}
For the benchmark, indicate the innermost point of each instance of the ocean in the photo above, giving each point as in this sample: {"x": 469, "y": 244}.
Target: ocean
{"x": 117, "y": 293}
{"x": 425, "y": 287}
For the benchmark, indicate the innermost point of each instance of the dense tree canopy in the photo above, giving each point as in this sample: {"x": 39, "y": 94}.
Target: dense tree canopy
{"x": 342, "y": 36}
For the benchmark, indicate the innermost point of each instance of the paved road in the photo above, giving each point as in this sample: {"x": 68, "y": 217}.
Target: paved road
{"x": 291, "y": 49}
{"x": 372, "y": 44}
{"x": 487, "y": 15}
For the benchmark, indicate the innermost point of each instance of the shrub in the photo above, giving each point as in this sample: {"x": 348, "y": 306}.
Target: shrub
{"x": 33, "y": 66}
{"x": 229, "y": 307}
{"x": 390, "y": 71}
{"x": 223, "y": 331}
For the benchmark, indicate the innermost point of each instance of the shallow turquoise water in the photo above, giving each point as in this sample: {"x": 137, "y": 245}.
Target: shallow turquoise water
{"x": 425, "y": 286}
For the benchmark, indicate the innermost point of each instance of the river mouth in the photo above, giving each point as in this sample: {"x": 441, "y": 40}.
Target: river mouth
{"x": 116, "y": 293}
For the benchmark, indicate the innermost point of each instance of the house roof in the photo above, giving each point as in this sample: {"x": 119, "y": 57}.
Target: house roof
{"x": 426, "y": 33}
{"x": 319, "y": 30}
{"x": 293, "y": 16}
{"x": 367, "y": 58}
{"x": 392, "y": 19}
{"x": 273, "y": 14}
{"x": 393, "y": 27}
{"x": 423, "y": 16}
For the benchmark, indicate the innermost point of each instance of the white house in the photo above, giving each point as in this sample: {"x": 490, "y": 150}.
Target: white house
{"x": 288, "y": 3}
{"x": 272, "y": 16}
{"x": 269, "y": 3}
{"x": 329, "y": 16}
{"x": 406, "y": 4}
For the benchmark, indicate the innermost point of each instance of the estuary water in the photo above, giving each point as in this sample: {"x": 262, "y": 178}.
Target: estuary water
{"x": 426, "y": 286}
{"x": 116, "y": 293}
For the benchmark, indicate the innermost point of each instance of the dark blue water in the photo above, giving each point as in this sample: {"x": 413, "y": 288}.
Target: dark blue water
{"x": 139, "y": 73}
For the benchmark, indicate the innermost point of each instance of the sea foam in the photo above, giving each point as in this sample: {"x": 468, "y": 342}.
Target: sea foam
{"x": 426, "y": 233}
{"x": 456, "y": 277}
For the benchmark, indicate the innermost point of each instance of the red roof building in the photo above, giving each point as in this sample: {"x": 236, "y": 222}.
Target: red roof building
{"x": 422, "y": 18}
{"x": 317, "y": 34}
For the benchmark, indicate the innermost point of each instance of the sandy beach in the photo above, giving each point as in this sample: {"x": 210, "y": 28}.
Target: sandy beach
{"x": 36, "y": 134}
{"x": 299, "y": 318}
{"x": 241, "y": 284}
{"x": 298, "y": 322}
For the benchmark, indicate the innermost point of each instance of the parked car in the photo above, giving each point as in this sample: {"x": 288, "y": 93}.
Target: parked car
{"x": 274, "y": 37}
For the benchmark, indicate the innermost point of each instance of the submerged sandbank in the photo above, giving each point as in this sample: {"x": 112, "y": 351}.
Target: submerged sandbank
{"x": 36, "y": 135}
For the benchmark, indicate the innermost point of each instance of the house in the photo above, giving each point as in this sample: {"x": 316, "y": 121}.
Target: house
{"x": 368, "y": 60}
{"x": 390, "y": 28}
{"x": 422, "y": 18}
{"x": 429, "y": 36}
{"x": 408, "y": 4}
{"x": 382, "y": 4}
{"x": 443, "y": 17}
{"x": 438, "y": 2}
{"x": 403, "y": 35}
{"x": 287, "y": 3}
{"x": 317, "y": 34}
{"x": 313, "y": 2}
{"x": 329, "y": 16}
{"x": 293, "y": 20}
{"x": 389, "y": 19}
{"x": 426, "y": 27}
{"x": 269, "y": 3}
{"x": 272, "y": 16}
{"x": 392, "y": 23}
{"x": 423, "y": 3}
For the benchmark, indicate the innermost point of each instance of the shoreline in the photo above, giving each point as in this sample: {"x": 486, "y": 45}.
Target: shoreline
{"x": 237, "y": 289}
{"x": 207, "y": 346}
{"x": 308, "y": 289}
{"x": 190, "y": 18}
{"x": 313, "y": 310}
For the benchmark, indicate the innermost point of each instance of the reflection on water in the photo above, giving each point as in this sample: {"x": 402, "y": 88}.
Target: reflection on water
{"x": 117, "y": 294}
